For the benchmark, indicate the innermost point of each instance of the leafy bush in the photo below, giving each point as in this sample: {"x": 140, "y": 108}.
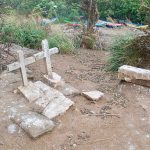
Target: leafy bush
{"x": 61, "y": 41}
{"x": 130, "y": 51}
{"x": 27, "y": 34}
{"x": 120, "y": 55}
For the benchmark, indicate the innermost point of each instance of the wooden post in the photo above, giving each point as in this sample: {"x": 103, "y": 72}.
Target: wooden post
{"x": 23, "y": 69}
{"x": 45, "y": 48}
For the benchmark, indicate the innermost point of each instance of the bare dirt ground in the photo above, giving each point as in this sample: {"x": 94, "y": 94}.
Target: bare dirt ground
{"x": 78, "y": 129}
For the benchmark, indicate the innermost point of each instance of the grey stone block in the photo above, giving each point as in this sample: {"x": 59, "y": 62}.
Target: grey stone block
{"x": 33, "y": 123}
{"x": 93, "y": 95}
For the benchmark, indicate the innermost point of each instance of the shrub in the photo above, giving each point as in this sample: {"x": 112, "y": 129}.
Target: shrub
{"x": 25, "y": 34}
{"x": 129, "y": 51}
{"x": 29, "y": 35}
{"x": 64, "y": 43}
{"x": 119, "y": 54}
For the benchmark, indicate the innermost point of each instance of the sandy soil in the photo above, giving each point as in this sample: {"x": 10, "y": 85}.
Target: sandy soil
{"x": 77, "y": 129}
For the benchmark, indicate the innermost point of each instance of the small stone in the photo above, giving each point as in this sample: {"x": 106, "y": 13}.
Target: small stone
{"x": 12, "y": 128}
{"x": 92, "y": 112}
{"x": 15, "y": 91}
{"x": 93, "y": 95}
{"x": 74, "y": 145}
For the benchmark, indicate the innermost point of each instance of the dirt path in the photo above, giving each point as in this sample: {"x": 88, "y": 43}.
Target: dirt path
{"x": 76, "y": 129}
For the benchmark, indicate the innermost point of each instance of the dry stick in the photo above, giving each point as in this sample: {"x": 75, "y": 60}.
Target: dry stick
{"x": 91, "y": 142}
{"x": 105, "y": 114}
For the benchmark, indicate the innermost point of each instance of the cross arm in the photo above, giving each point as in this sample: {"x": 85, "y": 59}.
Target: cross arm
{"x": 30, "y": 60}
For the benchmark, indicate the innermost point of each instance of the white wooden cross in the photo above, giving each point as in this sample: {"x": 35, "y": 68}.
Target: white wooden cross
{"x": 23, "y": 62}
{"x": 47, "y": 54}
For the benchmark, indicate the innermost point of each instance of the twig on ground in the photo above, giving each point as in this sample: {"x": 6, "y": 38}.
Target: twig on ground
{"x": 98, "y": 140}
{"x": 116, "y": 115}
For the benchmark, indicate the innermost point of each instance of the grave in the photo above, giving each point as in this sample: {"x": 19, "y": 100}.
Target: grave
{"x": 42, "y": 98}
{"x": 54, "y": 79}
{"x": 46, "y": 100}
{"x": 135, "y": 75}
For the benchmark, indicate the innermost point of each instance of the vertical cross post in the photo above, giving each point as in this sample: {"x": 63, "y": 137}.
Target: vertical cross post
{"x": 22, "y": 66}
{"x": 45, "y": 48}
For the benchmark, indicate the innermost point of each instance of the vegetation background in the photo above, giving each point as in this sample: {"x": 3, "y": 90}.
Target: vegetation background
{"x": 18, "y": 26}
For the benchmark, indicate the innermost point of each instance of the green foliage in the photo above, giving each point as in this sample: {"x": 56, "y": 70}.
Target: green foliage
{"x": 65, "y": 44}
{"x": 29, "y": 35}
{"x": 121, "y": 9}
{"x": 129, "y": 51}
{"x": 46, "y": 8}
{"x": 120, "y": 55}
{"x": 88, "y": 41}
{"x": 71, "y": 9}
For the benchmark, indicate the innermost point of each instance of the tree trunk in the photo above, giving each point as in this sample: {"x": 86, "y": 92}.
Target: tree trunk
{"x": 90, "y": 8}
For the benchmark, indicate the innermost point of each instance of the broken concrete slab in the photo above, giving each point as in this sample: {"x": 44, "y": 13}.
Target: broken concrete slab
{"x": 46, "y": 100}
{"x": 31, "y": 92}
{"x": 33, "y": 123}
{"x": 93, "y": 95}
{"x": 133, "y": 73}
{"x": 58, "y": 106}
{"x": 68, "y": 90}
{"x": 55, "y": 81}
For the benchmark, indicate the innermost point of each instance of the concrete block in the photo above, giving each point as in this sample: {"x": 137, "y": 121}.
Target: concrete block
{"x": 55, "y": 81}
{"x": 33, "y": 123}
{"x": 93, "y": 95}
{"x": 129, "y": 73}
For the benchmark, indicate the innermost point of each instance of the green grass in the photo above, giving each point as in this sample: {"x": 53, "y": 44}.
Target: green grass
{"x": 25, "y": 34}
{"x": 121, "y": 54}
{"x": 64, "y": 43}
{"x": 130, "y": 50}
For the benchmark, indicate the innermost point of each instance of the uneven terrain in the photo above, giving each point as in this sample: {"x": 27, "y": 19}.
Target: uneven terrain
{"x": 122, "y": 123}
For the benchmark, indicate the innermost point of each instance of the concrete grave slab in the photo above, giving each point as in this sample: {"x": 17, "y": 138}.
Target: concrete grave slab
{"x": 31, "y": 92}
{"x": 57, "y": 106}
{"x": 45, "y": 99}
{"x": 68, "y": 90}
{"x": 33, "y": 123}
{"x": 93, "y": 95}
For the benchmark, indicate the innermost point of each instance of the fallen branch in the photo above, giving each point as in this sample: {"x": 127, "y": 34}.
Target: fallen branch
{"x": 99, "y": 140}
{"x": 116, "y": 115}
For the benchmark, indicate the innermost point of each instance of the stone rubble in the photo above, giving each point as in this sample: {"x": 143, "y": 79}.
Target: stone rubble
{"x": 93, "y": 95}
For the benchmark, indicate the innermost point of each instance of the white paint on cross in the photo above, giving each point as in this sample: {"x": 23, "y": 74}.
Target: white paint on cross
{"x": 23, "y": 68}
{"x": 23, "y": 62}
{"x": 47, "y": 54}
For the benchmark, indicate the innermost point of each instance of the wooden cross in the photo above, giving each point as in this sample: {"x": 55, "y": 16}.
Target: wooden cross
{"x": 23, "y": 62}
{"x": 47, "y": 54}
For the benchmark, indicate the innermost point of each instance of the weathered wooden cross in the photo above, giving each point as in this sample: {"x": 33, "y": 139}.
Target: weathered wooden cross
{"x": 23, "y": 62}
